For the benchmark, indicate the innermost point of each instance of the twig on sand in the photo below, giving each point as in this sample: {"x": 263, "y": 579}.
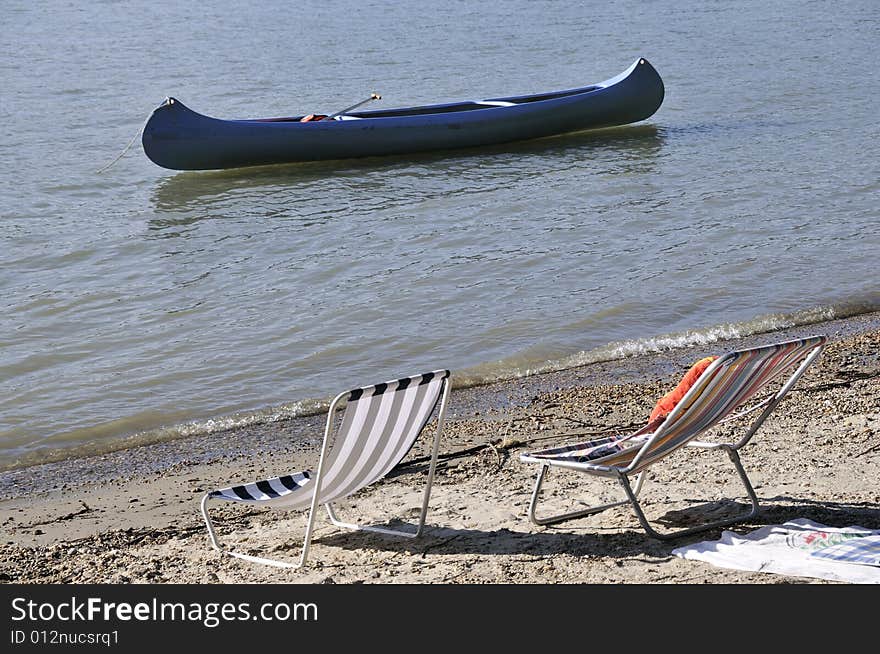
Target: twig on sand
{"x": 505, "y": 443}
{"x": 492, "y": 447}
{"x": 432, "y": 546}
{"x": 616, "y": 429}
{"x": 69, "y": 516}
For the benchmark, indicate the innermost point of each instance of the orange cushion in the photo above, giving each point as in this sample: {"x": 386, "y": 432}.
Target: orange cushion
{"x": 667, "y": 403}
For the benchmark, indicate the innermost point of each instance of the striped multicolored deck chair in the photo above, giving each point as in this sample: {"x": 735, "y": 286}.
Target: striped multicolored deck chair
{"x": 378, "y": 427}
{"x": 726, "y": 386}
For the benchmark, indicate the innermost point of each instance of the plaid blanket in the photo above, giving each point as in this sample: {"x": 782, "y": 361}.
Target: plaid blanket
{"x": 864, "y": 550}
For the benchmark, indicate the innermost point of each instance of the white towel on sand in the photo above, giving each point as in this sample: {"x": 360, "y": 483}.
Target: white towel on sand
{"x": 799, "y": 548}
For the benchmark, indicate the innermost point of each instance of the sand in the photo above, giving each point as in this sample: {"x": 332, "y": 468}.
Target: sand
{"x": 133, "y": 516}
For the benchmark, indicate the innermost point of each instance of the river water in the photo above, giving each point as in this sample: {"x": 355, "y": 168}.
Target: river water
{"x": 142, "y": 304}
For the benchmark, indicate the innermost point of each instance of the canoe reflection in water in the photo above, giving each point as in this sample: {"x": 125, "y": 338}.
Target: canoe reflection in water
{"x": 626, "y": 150}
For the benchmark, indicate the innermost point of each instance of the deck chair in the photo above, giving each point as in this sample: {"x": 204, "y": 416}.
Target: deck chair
{"x": 378, "y": 427}
{"x": 726, "y": 386}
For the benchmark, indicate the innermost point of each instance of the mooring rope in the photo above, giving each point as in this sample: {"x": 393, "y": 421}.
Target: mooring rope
{"x": 127, "y": 147}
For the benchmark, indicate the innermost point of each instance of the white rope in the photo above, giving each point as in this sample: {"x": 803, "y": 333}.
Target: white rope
{"x": 127, "y": 147}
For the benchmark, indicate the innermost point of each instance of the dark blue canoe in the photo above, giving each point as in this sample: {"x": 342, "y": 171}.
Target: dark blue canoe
{"x": 179, "y": 138}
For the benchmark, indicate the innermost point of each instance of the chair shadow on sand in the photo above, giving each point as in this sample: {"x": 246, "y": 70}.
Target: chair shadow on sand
{"x": 588, "y": 537}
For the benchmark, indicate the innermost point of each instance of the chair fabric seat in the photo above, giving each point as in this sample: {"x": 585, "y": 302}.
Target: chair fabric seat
{"x": 288, "y": 491}
{"x": 594, "y": 451}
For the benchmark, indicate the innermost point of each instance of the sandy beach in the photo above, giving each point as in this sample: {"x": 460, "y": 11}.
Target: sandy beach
{"x": 133, "y": 516}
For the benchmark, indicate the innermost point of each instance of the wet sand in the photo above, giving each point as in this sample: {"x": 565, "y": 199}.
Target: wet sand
{"x": 133, "y": 516}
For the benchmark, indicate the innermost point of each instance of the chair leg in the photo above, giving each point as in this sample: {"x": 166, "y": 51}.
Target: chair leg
{"x": 215, "y": 543}
{"x": 571, "y": 515}
{"x": 751, "y": 513}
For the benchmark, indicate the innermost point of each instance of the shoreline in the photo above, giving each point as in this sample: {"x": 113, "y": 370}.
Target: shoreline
{"x": 208, "y": 448}
{"x": 132, "y": 515}
{"x": 96, "y": 446}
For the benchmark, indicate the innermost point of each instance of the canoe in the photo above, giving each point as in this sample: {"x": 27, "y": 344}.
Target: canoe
{"x": 179, "y": 138}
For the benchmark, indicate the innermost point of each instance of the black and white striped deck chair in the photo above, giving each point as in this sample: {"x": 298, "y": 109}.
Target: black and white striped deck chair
{"x": 378, "y": 427}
